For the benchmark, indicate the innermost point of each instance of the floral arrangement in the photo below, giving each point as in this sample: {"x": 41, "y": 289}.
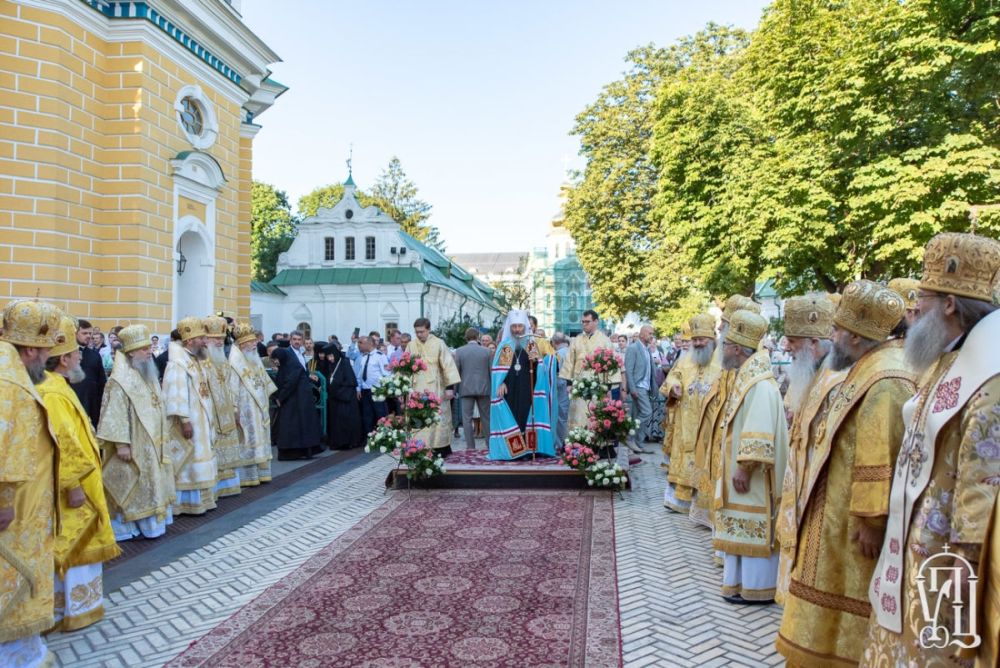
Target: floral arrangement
{"x": 581, "y": 435}
{"x": 588, "y": 388}
{"x": 420, "y": 460}
{"x": 607, "y": 474}
{"x": 422, "y": 409}
{"x": 407, "y": 364}
{"x": 603, "y": 362}
{"x": 577, "y": 456}
{"x": 389, "y": 432}
{"x": 395, "y": 385}
{"x": 609, "y": 421}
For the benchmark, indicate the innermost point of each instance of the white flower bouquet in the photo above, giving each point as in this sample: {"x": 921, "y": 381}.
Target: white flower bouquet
{"x": 607, "y": 474}
{"x": 588, "y": 388}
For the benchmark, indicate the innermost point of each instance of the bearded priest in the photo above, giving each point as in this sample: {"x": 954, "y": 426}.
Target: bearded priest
{"x": 225, "y": 417}
{"x": 684, "y": 389}
{"x": 945, "y": 480}
{"x": 522, "y": 388}
{"x": 133, "y": 430}
{"x": 84, "y": 540}
{"x": 189, "y": 407}
{"x": 252, "y": 388}
{"x": 754, "y": 452}
{"x": 844, "y": 490}
{"x": 441, "y": 377}
{"x": 811, "y": 382}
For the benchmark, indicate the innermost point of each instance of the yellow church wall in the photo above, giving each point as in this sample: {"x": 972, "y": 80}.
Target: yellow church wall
{"x": 87, "y": 135}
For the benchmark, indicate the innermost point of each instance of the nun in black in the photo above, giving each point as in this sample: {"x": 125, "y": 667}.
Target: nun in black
{"x": 299, "y": 434}
{"x": 343, "y": 412}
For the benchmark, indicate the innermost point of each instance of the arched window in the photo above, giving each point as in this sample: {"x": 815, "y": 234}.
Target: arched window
{"x": 305, "y": 329}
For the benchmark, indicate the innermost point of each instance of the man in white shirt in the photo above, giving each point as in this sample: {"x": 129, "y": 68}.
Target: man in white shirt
{"x": 370, "y": 368}
{"x": 297, "y": 342}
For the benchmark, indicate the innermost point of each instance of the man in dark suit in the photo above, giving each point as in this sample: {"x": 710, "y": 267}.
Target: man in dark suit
{"x": 90, "y": 390}
{"x": 473, "y": 361}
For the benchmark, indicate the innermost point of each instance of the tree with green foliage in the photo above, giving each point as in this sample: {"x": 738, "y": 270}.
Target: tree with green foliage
{"x": 393, "y": 192}
{"x": 272, "y": 229}
{"x": 511, "y": 295}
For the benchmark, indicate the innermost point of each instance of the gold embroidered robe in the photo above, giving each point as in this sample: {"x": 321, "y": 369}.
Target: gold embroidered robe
{"x": 85, "y": 536}
{"x": 133, "y": 413}
{"x": 581, "y": 346}
{"x": 988, "y": 655}
{"x": 27, "y": 482}
{"x": 252, "y": 388}
{"x": 846, "y": 483}
{"x": 801, "y": 436}
{"x": 708, "y": 447}
{"x": 754, "y": 433}
{"x": 441, "y": 372}
{"x": 226, "y": 435}
{"x": 188, "y": 398}
{"x": 954, "y": 509}
{"x": 694, "y": 383}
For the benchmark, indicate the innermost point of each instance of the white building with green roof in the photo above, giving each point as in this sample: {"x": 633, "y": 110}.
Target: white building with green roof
{"x": 352, "y": 266}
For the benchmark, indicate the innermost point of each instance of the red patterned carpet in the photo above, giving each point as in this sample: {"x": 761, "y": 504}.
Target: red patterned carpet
{"x": 442, "y": 578}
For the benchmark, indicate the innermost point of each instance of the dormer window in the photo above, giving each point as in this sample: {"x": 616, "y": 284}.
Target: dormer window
{"x": 369, "y": 248}
{"x": 349, "y": 248}
{"x": 328, "y": 249}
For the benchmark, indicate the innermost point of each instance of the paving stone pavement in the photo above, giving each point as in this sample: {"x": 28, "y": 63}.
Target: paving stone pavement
{"x": 671, "y": 612}
{"x": 668, "y": 587}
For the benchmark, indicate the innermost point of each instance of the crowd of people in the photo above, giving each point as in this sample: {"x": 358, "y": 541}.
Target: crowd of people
{"x": 828, "y": 478}
{"x": 862, "y": 494}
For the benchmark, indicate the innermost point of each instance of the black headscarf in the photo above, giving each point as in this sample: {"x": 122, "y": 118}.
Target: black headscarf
{"x": 290, "y": 372}
{"x": 322, "y": 365}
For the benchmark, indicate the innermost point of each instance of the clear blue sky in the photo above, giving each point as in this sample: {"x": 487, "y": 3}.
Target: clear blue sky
{"x": 476, "y": 98}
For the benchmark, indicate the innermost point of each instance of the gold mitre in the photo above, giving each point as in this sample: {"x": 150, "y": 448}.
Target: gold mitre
{"x": 965, "y": 265}
{"x": 67, "y": 344}
{"x": 746, "y": 328}
{"x": 739, "y": 303}
{"x": 134, "y": 337}
{"x": 869, "y": 310}
{"x": 243, "y": 332}
{"x": 33, "y": 324}
{"x": 215, "y": 327}
{"x": 907, "y": 289}
{"x": 809, "y": 316}
{"x": 191, "y": 327}
{"x": 685, "y": 331}
{"x": 703, "y": 324}
{"x": 834, "y": 298}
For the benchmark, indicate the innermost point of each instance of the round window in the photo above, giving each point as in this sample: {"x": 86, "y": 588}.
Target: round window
{"x": 192, "y": 116}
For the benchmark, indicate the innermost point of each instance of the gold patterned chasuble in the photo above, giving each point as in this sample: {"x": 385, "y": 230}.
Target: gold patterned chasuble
{"x": 27, "y": 484}
{"x": 226, "y": 435}
{"x": 251, "y": 387}
{"x": 581, "y": 346}
{"x": 708, "y": 446}
{"x": 441, "y": 372}
{"x": 187, "y": 396}
{"x": 694, "y": 383}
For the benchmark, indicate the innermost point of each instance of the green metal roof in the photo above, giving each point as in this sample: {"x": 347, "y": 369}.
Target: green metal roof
{"x": 260, "y": 286}
{"x": 349, "y": 276}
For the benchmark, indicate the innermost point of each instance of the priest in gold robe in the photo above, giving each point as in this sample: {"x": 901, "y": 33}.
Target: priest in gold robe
{"x": 708, "y": 442}
{"x": 226, "y": 435}
{"x": 582, "y": 345}
{"x": 133, "y": 430}
{"x": 85, "y": 539}
{"x": 252, "y": 388}
{"x": 754, "y": 452}
{"x": 843, "y": 495}
{"x": 27, "y": 495}
{"x": 684, "y": 389}
{"x": 441, "y": 377}
{"x": 811, "y": 382}
{"x": 907, "y": 289}
{"x": 945, "y": 481}
{"x": 189, "y": 409}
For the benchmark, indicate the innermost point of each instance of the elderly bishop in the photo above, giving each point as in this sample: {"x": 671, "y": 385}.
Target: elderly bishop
{"x": 138, "y": 474}
{"x": 684, "y": 389}
{"x": 252, "y": 388}
{"x": 945, "y": 480}
{"x": 27, "y": 463}
{"x": 753, "y": 456}
{"x": 85, "y": 539}
{"x": 441, "y": 377}
{"x": 225, "y": 419}
{"x": 843, "y": 493}
{"x": 189, "y": 408}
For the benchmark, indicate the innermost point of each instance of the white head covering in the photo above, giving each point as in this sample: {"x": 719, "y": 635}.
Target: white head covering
{"x": 515, "y": 317}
